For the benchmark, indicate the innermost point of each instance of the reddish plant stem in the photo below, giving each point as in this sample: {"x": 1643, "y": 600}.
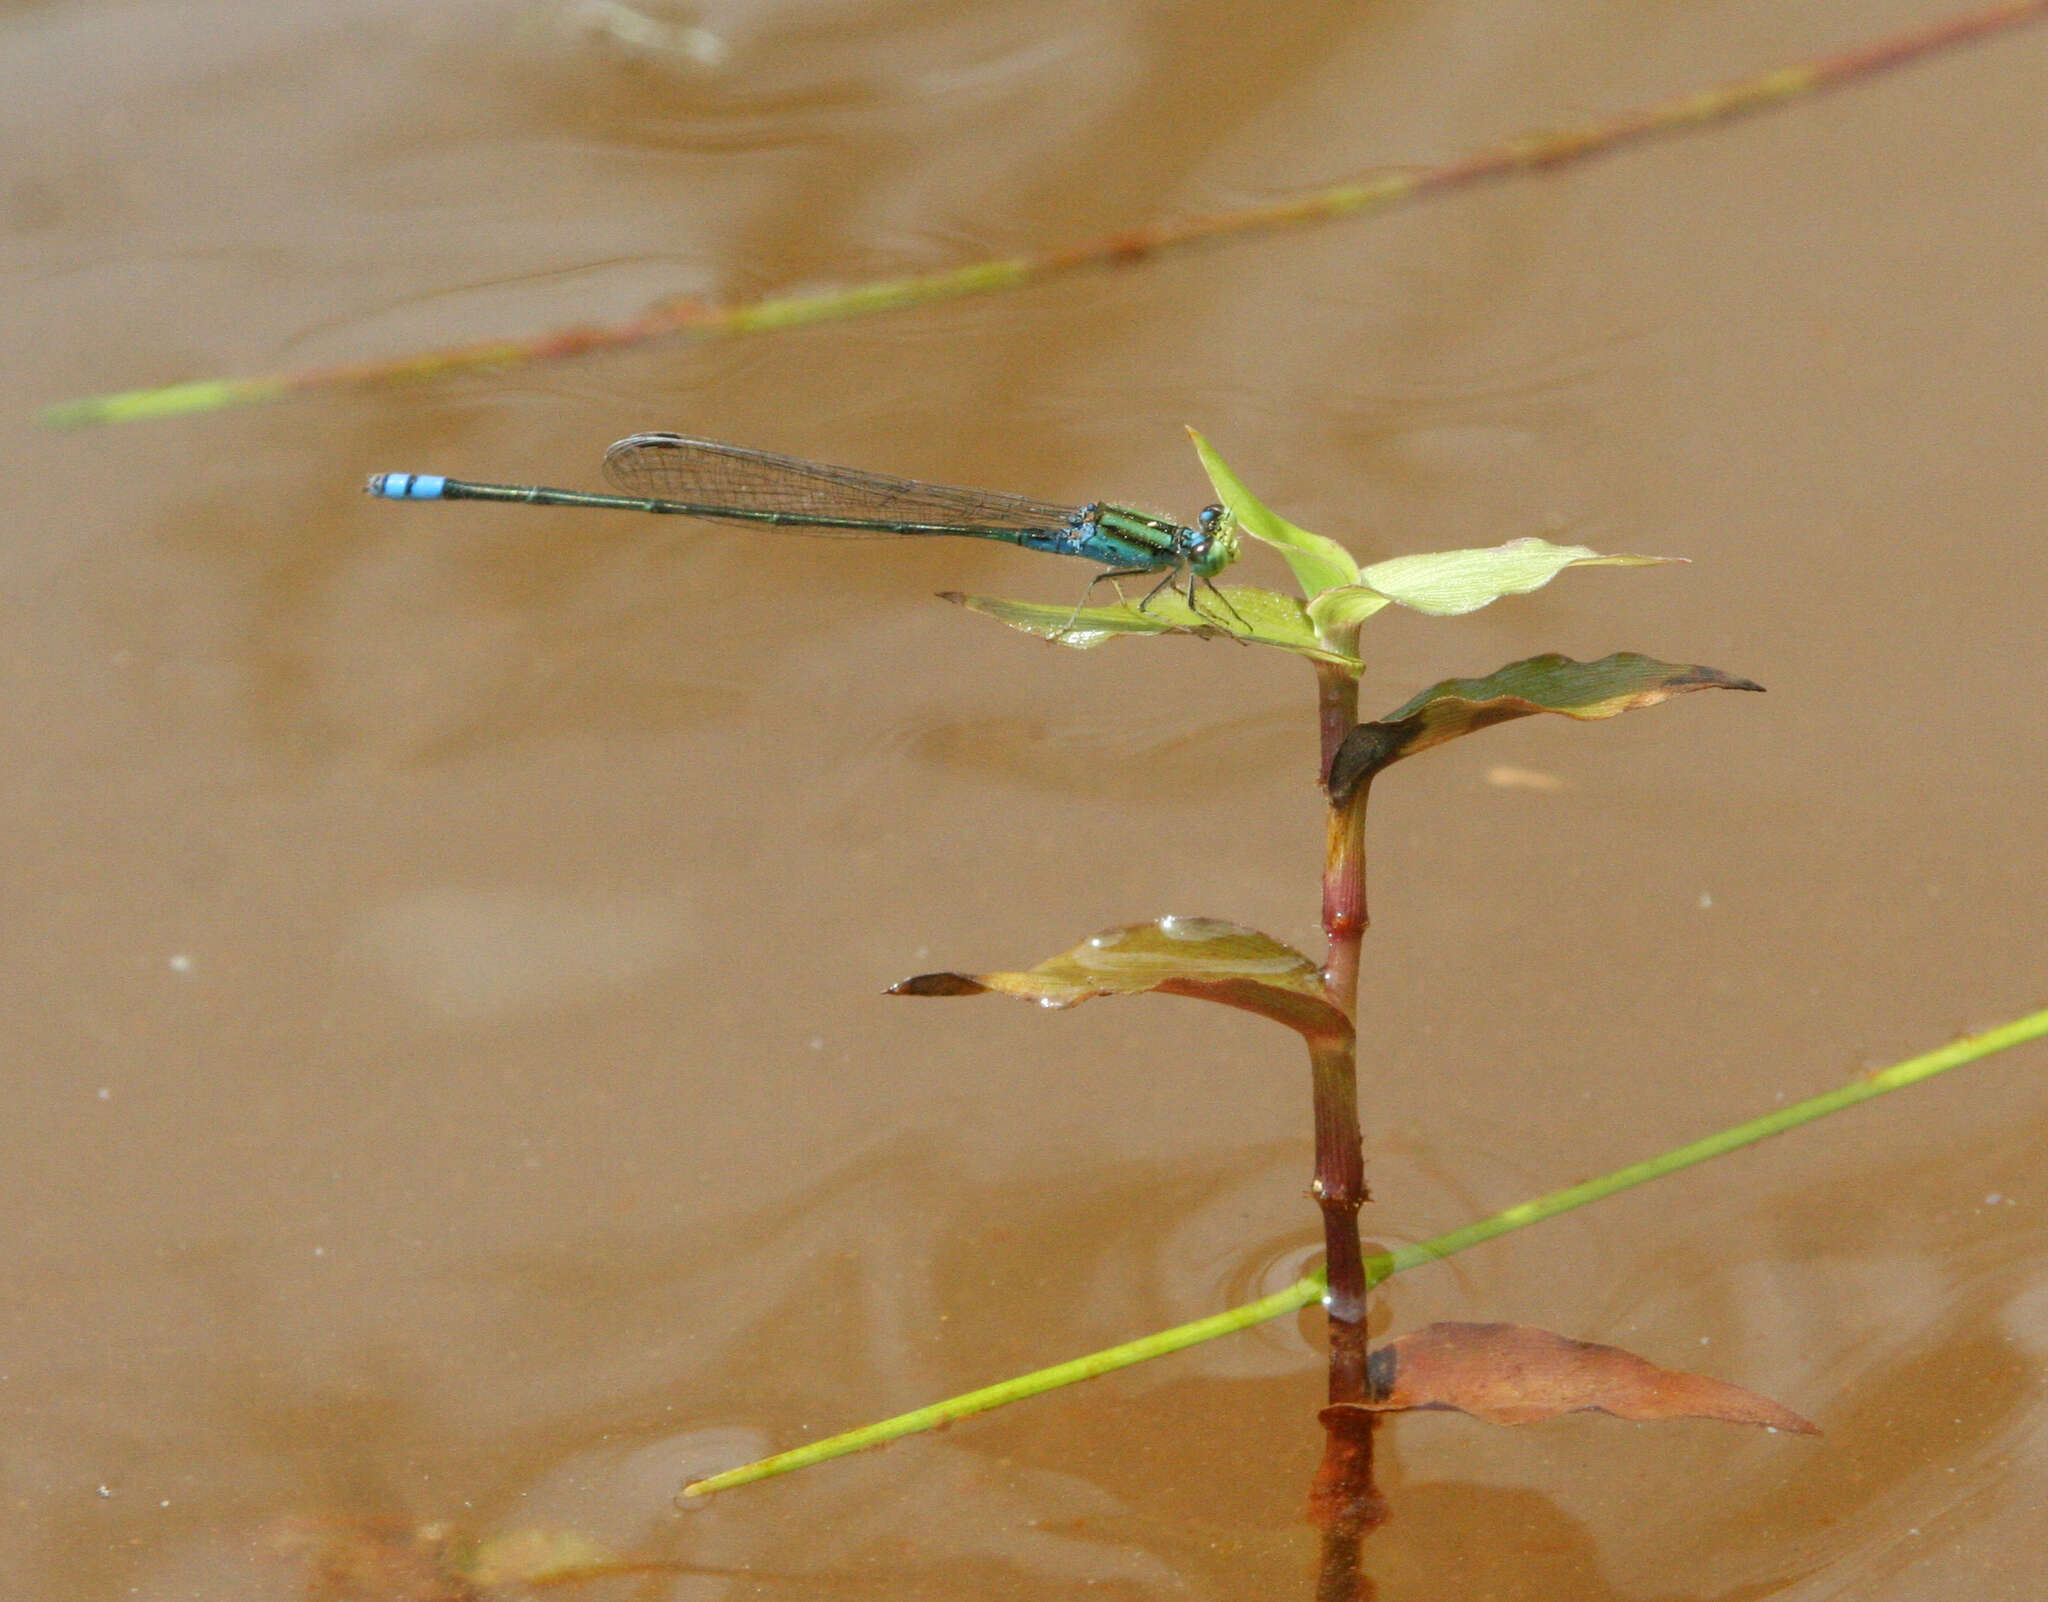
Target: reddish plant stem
{"x": 1340, "y": 1166}
{"x": 1339, "y": 1577}
{"x": 1336, "y": 711}
{"x": 1345, "y": 1503}
{"x": 1340, "y": 1191}
{"x": 1347, "y": 1507}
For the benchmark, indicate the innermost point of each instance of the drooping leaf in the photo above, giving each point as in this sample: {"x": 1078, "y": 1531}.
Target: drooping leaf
{"x": 1513, "y": 1374}
{"x": 1547, "y": 683}
{"x": 1255, "y": 616}
{"x": 1318, "y": 563}
{"x": 1450, "y": 583}
{"x": 1206, "y": 958}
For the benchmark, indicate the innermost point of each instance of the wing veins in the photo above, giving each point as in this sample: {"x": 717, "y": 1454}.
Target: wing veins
{"x": 702, "y": 472}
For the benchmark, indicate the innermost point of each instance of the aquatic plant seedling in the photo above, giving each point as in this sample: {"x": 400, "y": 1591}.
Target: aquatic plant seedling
{"x": 1500, "y": 1370}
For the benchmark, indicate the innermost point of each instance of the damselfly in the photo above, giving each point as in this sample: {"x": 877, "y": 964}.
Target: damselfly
{"x": 732, "y": 484}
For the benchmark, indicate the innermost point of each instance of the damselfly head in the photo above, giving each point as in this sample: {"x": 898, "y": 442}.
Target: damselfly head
{"x": 1214, "y": 546}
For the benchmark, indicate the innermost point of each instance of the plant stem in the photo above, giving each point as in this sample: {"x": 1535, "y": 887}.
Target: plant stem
{"x": 1340, "y": 1167}
{"x": 1347, "y": 1507}
{"x": 1340, "y": 1191}
{"x": 1344, "y": 1502}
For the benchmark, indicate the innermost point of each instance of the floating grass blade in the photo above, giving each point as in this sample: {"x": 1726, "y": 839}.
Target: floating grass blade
{"x": 686, "y": 318}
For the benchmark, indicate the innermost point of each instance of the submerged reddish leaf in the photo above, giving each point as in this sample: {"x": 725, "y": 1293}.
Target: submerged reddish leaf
{"x": 1547, "y": 683}
{"x": 1206, "y": 958}
{"x": 1513, "y": 1374}
{"x": 389, "y": 1560}
{"x": 372, "y": 1559}
{"x": 540, "y": 1556}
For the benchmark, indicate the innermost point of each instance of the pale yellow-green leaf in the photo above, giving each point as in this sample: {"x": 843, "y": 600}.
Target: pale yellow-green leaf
{"x": 1255, "y": 616}
{"x": 1448, "y": 583}
{"x": 1344, "y": 608}
{"x": 1206, "y": 958}
{"x": 1319, "y": 564}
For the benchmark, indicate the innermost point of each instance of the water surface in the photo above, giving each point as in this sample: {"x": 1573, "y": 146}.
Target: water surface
{"x": 450, "y": 1076}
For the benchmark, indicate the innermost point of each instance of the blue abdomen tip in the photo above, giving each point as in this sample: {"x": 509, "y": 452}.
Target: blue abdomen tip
{"x": 407, "y": 486}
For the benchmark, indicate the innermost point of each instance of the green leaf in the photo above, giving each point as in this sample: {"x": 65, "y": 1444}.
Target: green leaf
{"x": 1201, "y": 957}
{"x": 1334, "y": 613}
{"x": 1255, "y": 616}
{"x": 1547, "y": 683}
{"x": 1319, "y": 564}
{"x": 1449, "y": 583}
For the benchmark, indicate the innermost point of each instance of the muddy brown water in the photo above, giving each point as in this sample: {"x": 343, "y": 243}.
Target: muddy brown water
{"x": 447, "y": 1075}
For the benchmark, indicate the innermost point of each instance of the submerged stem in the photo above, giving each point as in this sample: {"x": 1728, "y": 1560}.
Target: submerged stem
{"x": 1340, "y": 1177}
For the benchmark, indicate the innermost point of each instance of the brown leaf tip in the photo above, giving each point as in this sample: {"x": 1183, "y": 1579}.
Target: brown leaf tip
{"x": 938, "y": 984}
{"x": 1714, "y": 677}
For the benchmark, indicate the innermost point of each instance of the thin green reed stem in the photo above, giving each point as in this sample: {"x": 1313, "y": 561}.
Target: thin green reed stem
{"x": 1911, "y": 1072}
{"x": 1290, "y": 1300}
